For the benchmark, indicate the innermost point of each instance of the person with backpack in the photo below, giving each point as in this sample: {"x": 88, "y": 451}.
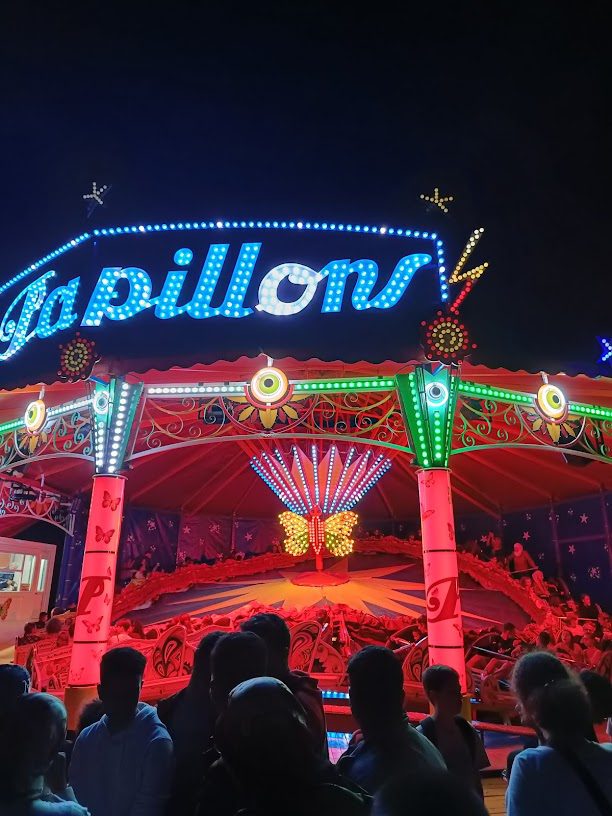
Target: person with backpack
{"x": 454, "y": 737}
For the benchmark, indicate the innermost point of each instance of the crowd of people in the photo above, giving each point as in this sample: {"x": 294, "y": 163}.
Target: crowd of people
{"x": 248, "y": 736}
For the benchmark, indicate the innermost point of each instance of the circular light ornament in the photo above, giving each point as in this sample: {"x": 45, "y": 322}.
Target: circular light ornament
{"x": 35, "y": 416}
{"x": 100, "y": 402}
{"x": 436, "y": 394}
{"x": 269, "y": 386}
{"x": 551, "y": 402}
{"x": 445, "y": 339}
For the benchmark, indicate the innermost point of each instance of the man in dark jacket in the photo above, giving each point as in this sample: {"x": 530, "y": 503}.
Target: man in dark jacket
{"x": 273, "y": 630}
{"x": 188, "y": 717}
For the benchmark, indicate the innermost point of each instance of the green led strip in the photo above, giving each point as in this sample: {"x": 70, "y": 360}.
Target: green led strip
{"x": 582, "y": 409}
{"x": 11, "y": 426}
{"x": 594, "y": 411}
{"x": 476, "y": 390}
{"x": 355, "y": 385}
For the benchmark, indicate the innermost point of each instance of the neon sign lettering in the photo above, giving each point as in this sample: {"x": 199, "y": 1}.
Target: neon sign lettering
{"x": 123, "y": 292}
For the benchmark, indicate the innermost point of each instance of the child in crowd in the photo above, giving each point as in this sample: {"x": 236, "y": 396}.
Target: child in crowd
{"x": 455, "y": 738}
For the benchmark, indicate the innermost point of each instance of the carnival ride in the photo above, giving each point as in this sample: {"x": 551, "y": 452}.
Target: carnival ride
{"x": 214, "y": 436}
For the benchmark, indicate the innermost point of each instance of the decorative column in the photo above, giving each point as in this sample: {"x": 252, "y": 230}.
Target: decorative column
{"x": 428, "y": 397}
{"x": 444, "y": 626}
{"x": 114, "y": 408}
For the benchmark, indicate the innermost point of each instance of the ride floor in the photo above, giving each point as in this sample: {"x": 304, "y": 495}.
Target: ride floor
{"x": 381, "y": 584}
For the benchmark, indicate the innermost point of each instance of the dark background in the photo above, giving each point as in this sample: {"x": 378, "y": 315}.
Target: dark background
{"x": 320, "y": 111}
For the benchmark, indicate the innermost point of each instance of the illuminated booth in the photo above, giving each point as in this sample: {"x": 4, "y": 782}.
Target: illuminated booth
{"x": 312, "y": 358}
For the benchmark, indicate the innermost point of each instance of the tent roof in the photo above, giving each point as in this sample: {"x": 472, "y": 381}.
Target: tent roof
{"x": 217, "y": 478}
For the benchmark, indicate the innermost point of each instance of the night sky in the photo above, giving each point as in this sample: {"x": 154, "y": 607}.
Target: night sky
{"x": 317, "y": 111}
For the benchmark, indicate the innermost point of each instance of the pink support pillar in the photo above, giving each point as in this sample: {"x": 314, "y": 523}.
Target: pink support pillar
{"x": 96, "y": 593}
{"x": 444, "y": 623}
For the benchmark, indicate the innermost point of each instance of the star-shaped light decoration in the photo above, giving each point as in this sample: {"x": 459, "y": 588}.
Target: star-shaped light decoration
{"x": 97, "y": 193}
{"x": 584, "y": 518}
{"x": 594, "y": 572}
{"x": 540, "y": 556}
{"x": 526, "y": 536}
{"x": 186, "y": 529}
{"x": 437, "y": 200}
{"x": 606, "y": 350}
{"x": 571, "y": 549}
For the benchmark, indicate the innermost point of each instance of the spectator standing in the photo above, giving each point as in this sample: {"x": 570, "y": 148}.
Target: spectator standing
{"x": 567, "y": 774}
{"x": 30, "y": 743}
{"x": 455, "y": 738}
{"x": 520, "y": 563}
{"x": 188, "y": 717}
{"x": 123, "y": 764}
{"x": 431, "y": 793}
{"x": 587, "y": 609}
{"x": 14, "y": 683}
{"x": 269, "y": 763}
{"x": 274, "y": 632}
{"x": 386, "y": 743}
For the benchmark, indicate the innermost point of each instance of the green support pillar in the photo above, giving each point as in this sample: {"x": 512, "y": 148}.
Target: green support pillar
{"x": 428, "y": 397}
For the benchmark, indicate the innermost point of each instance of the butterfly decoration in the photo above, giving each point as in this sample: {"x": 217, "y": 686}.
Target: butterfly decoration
{"x": 4, "y": 608}
{"x": 108, "y": 501}
{"x": 103, "y": 536}
{"x": 337, "y": 533}
{"x": 93, "y": 626}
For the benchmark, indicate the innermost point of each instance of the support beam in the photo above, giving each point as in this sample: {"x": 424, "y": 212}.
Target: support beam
{"x": 441, "y": 569}
{"x": 546, "y": 461}
{"x": 222, "y": 484}
{"x": 165, "y": 474}
{"x": 94, "y": 609}
{"x": 190, "y": 505}
{"x": 482, "y": 461}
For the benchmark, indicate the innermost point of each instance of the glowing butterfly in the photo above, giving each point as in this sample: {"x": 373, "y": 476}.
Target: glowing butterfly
{"x": 103, "y": 536}
{"x": 337, "y": 533}
{"x": 108, "y": 501}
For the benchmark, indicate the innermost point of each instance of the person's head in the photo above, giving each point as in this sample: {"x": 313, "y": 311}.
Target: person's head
{"x": 54, "y": 626}
{"x": 57, "y": 610}
{"x": 14, "y": 683}
{"x": 35, "y": 732}
{"x": 200, "y": 676}
{"x": 91, "y": 713}
{"x": 572, "y": 618}
{"x": 43, "y": 617}
{"x": 567, "y": 639}
{"x": 544, "y": 640}
{"x": 121, "y": 673}
{"x": 589, "y": 641}
{"x": 532, "y": 672}
{"x": 428, "y": 793}
{"x": 599, "y": 690}
{"x": 589, "y": 627}
{"x": 376, "y": 687}
{"x": 508, "y": 631}
{"x": 263, "y": 736}
{"x": 29, "y": 628}
{"x": 585, "y": 599}
{"x": 136, "y": 630}
{"x": 274, "y": 632}
{"x": 560, "y": 710}
{"x": 443, "y": 690}
{"x": 517, "y": 548}
{"x": 236, "y": 657}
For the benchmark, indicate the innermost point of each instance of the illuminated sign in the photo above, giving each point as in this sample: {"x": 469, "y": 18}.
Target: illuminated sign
{"x": 244, "y": 280}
